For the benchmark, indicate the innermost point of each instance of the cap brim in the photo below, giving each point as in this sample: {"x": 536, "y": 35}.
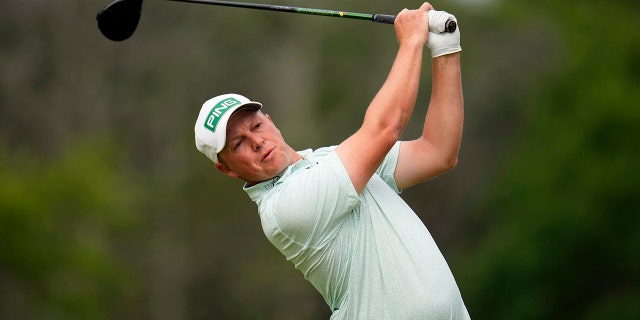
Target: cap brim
{"x": 249, "y": 105}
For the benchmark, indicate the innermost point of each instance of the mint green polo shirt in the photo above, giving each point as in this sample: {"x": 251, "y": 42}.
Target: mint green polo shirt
{"x": 368, "y": 254}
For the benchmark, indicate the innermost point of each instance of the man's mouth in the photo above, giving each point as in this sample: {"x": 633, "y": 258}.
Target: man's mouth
{"x": 268, "y": 154}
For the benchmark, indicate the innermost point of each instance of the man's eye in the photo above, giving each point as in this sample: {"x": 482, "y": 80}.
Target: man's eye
{"x": 258, "y": 125}
{"x": 238, "y": 144}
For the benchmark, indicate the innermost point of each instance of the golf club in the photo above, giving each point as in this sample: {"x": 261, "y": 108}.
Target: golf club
{"x": 118, "y": 20}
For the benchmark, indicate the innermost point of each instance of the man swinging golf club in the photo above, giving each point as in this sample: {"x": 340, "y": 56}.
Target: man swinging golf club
{"x": 335, "y": 212}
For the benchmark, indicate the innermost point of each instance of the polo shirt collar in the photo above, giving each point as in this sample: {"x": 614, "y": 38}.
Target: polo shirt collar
{"x": 257, "y": 191}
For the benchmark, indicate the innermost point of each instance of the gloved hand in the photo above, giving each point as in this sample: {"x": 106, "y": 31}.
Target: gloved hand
{"x": 440, "y": 42}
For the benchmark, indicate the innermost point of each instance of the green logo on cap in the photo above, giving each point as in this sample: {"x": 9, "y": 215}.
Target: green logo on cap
{"x": 217, "y": 111}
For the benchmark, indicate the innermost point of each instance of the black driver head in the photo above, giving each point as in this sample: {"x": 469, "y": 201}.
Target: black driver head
{"x": 118, "y": 20}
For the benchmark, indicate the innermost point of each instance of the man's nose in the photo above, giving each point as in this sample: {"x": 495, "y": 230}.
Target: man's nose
{"x": 257, "y": 143}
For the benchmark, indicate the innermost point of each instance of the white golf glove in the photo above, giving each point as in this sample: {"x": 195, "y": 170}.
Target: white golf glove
{"x": 439, "y": 41}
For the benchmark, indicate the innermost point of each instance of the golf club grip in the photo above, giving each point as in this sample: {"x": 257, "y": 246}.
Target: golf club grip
{"x": 451, "y": 25}
{"x": 383, "y": 18}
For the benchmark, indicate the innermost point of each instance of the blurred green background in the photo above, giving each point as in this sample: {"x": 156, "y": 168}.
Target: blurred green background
{"x": 107, "y": 211}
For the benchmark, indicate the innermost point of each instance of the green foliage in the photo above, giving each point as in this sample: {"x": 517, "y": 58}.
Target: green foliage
{"x": 60, "y": 222}
{"x": 562, "y": 238}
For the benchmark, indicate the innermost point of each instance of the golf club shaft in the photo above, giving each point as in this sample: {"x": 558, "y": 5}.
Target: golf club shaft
{"x": 118, "y": 20}
{"x": 380, "y": 18}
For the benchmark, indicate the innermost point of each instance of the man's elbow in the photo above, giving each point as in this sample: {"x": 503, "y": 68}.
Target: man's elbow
{"x": 453, "y": 162}
{"x": 450, "y": 162}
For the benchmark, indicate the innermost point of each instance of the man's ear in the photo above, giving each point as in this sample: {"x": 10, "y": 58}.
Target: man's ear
{"x": 226, "y": 170}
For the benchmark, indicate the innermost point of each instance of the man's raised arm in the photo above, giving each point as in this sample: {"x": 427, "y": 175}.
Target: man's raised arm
{"x": 390, "y": 110}
{"x": 436, "y": 150}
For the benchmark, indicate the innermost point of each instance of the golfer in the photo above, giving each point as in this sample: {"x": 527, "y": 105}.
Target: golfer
{"x": 335, "y": 212}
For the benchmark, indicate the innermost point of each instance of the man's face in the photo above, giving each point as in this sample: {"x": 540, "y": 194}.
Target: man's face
{"x": 255, "y": 150}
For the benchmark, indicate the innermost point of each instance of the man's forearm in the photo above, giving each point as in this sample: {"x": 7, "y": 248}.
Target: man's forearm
{"x": 443, "y": 124}
{"x": 394, "y": 102}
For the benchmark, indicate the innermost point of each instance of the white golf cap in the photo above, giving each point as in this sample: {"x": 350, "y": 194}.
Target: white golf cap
{"x": 211, "y": 126}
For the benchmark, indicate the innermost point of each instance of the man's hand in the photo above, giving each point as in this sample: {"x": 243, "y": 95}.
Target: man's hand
{"x": 412, "y": 26}
{"x": 439, "y": 42}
